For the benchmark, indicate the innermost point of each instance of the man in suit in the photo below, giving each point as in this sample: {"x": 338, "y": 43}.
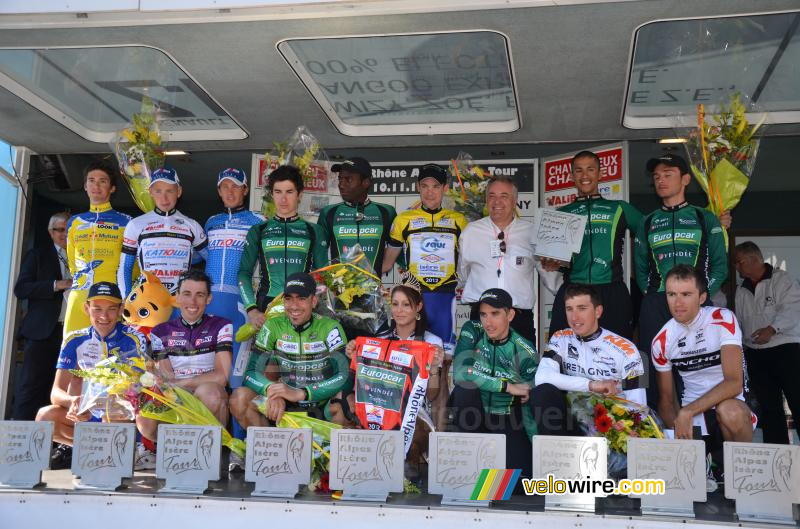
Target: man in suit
{"x": 43, "y": 280}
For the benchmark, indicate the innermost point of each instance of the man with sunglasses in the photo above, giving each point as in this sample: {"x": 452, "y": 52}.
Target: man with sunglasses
{"x": 497, "y": 252}
{"x": 428, "y": 238}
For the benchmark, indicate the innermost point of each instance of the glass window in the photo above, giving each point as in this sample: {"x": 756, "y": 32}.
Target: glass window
{"x": 680, "y": 63}
{"x": 7, "y": 156}
{"x": 436, "y": 83}
{"x": 95, "y": 91}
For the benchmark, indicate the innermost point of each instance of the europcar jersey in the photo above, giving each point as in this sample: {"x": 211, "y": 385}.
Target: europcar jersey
{"x": 683, "y": 234}
{"x": 226, "y": 234}
{"x": 485, "y": 364}
{"x": 603, "y": 355}
{"x": 430, "y": 239}
{"x": 391, "y": 377}
{"x": 191, "y": 347}
{"x": 695, "y": 349}
{"x": 345, "y": 225}
{"x": 94, "y": 242}
{"x": 282, "y": 247}
{"x": 84, "y": 348}
{"x": 165, "y": 243}
{"x": 600, "y": 258}
{"x": 310, "y": 357}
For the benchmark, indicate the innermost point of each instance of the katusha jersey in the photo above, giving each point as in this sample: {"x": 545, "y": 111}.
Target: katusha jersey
{"x": 94, "y": 243}
{"x": 391, "y": 381}
{"x": 683, "y": 234}
{"x": 226, "y": 234}
{"x": 430, "y": 240}
{"x": 191, "y": 347}
{"x": 345, "y": 225}
{"x": 695, "y": 350}
{"x": 600, "y": 258}
{"x": 164, "y": 243}
{"x": 603, "y": 355}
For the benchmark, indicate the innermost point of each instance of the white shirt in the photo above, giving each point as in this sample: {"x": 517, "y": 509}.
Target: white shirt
{"x": 478, "y": 270}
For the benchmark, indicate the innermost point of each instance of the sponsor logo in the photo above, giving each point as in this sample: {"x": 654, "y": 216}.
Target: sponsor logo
{"x": 432, "y": 244}
{"x": 622, "y": 344}
{"x": 417, "y": 224}
{"x": 382, "y": 375}
{"x": 431, "y": 258}
{"x": 203, "y": 340}
{"x": 363, "y": 230}
{"x": 313, "y": 347}
{"x": 371, "y": 351}
{"x": 660, "y": 355}
{"x": 729, "y": 326}
{"x": 374, "y": 414}
{"x": 572, "y": 352}
{"x": 287, "y": 347}
{"x": 176, "y": 343}
{"x": 334, "y": 339}
{"x": 219, "y": 244}
{"x": 402, "y": 359}
{"x": 166, "y": 252}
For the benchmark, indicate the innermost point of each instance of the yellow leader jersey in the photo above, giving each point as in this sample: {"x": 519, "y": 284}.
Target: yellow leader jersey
{"x": 430, "y": 242}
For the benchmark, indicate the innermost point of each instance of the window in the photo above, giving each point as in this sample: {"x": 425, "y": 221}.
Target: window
{"x": 95, "y": 91}
{"x": 680, "y": 63}
{"x": 433, "y": 83}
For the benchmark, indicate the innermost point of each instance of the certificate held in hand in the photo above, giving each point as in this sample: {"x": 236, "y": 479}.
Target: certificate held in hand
{"x": 557, "y": 234}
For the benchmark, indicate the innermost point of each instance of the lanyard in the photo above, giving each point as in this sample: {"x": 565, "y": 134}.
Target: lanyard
{"x": 507, "y": 239}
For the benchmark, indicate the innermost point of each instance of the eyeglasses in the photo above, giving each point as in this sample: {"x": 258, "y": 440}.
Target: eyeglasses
{"x": 501, "y": 237}
{"x": 59, "y": 230}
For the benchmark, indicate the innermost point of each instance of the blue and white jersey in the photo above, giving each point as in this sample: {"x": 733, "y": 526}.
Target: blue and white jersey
{"x": 84, "y": 348}
{"x": 226, "y": 235}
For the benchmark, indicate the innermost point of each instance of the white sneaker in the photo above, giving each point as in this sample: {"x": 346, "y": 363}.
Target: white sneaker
{"x": 235, "y": 463}
{"x": 145, "y": 459}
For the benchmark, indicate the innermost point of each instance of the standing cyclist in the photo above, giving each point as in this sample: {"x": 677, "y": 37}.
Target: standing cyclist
{"x": 676, "y": 233}
{"x": 164, "y": 241}
{"x": 227, "y": 232}
{"x": 357, "y": 220}
{"x": 282, "y": 245}
{"x": 599, "y": 262}
{"x": 428, "y": 236}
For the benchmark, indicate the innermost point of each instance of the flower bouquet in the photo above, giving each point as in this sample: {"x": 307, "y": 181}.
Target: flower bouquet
{"x": 274, "y": 309}
{"x": 467, "y": 193}
{"x": 351, "y": 292}
{"x": 139, "y": 151}
{"x": 303, "y": 151}
{"x": 124, "y": 388}
{"x": 617, "y": 420}
{"x": 722, "y": 153}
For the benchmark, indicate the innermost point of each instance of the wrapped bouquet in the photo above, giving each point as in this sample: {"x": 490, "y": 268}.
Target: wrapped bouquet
{"x": 352, "y": 292}
{"x": 139, "y": 151}
{"x": 617, "y": 420}
{"x": 467, "y": 193}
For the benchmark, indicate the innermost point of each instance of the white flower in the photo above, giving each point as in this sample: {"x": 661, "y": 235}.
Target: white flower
{"x": 147, "y": 379}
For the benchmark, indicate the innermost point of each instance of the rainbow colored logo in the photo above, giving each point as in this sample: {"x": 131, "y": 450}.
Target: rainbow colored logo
{"x": 495, "y": 484}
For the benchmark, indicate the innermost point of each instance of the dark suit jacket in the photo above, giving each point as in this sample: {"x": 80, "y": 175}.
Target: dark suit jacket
{"x": 35, "y": 283}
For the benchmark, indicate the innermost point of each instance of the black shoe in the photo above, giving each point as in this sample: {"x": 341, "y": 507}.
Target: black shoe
{"x": 61, "y": 457}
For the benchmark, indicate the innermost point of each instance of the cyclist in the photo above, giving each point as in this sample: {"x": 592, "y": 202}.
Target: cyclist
{"x": 83, "y": 349}
{"x": 357, "y": 220}
{"x": 164, "y": 241}
{"x": 282, "y": 245}
{"x": 194, "y": 352}
{"x": 583, "y": 357}
{"x": 299, "y": 361}
{"x": 429, "y": 239}
{"x": 704, "y": 345}
{"x": 94, "y": 241}
{"x": 599, "y": 262}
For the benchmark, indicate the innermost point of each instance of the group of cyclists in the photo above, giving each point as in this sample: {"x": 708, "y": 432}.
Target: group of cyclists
{"x": 299, "y": 360}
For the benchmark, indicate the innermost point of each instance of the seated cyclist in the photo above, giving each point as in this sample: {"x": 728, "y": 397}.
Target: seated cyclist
{"x": 493, "y": 371}
{"x": 584, "y": 357}
{"x": 193, "y": 352}
{"x": 704, "y": 344}
{"x": 83, "y": 349}
{"x": 298, "y": 361}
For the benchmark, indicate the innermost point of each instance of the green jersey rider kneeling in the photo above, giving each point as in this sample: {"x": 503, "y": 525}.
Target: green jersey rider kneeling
{"x": 298, "y": 362}
{"x": 494, "y": 370}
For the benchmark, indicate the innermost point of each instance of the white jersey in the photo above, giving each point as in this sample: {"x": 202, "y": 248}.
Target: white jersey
{"x": 164, "y": 244}
{"x": 570, "y": 362}
{"x": 694, "y": 350}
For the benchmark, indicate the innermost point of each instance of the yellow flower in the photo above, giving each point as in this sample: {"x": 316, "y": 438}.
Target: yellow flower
{"x": 618, "y": 410}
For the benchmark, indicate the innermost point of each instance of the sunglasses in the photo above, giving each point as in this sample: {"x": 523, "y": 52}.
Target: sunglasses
{"x": 501, "y": 237}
